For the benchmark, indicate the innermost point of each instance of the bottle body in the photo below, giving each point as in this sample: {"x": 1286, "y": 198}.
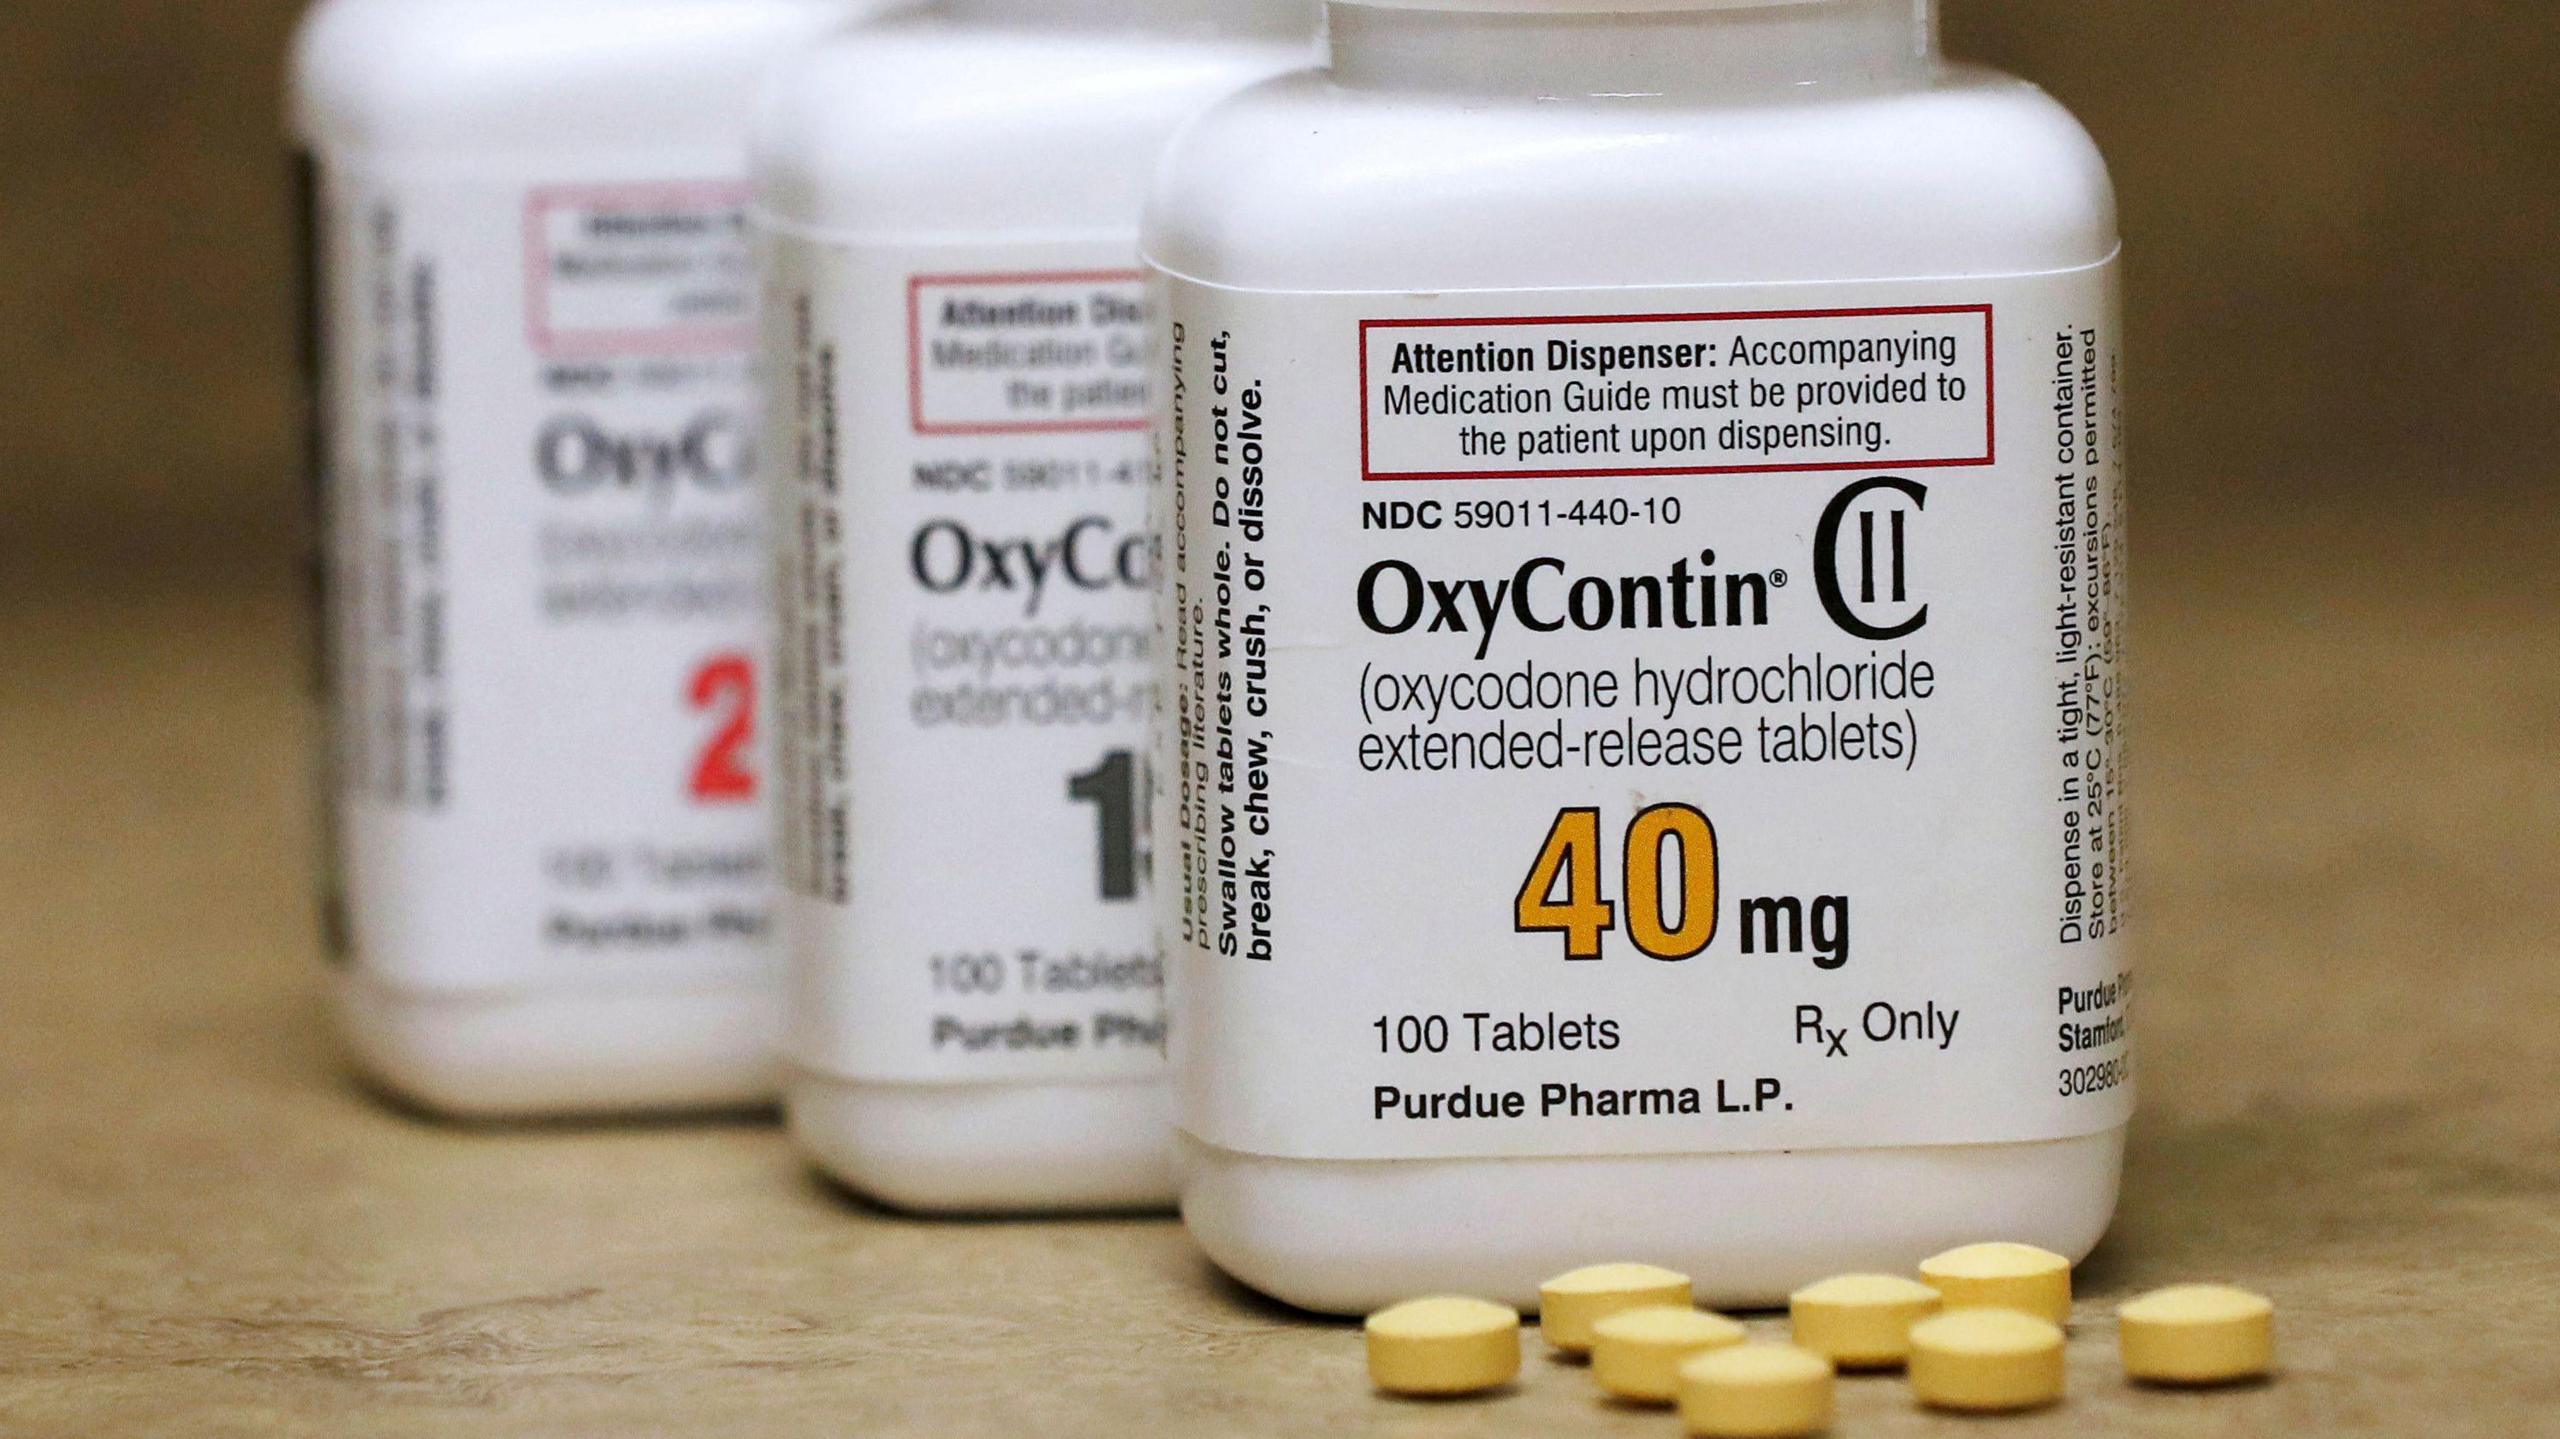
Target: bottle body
{"x": 1594, "y": 533}
{"x": 542, "y": 548}
{"x": 948, "y": 208}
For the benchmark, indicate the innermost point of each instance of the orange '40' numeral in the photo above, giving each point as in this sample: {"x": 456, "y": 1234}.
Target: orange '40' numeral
{"x": 1669, "y": 880}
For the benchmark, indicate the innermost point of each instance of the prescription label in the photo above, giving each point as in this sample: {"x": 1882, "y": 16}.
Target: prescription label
{"x": 1645, "y": 721}
{"x": 967, "y": 672}
{"x": 545, "y": 591}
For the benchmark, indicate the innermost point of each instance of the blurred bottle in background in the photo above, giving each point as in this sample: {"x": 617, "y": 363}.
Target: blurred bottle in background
{"x": 532, "y": 350}
{"x": 961, "y": 393}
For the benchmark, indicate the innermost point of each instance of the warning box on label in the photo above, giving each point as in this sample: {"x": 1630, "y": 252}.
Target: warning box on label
{"x": 1751, "y": 392}
{"x": 639, "y": 270}
{"x": 1028, "y": 354}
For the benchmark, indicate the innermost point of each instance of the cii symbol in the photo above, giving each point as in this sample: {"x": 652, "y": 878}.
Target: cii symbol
{"x": 1862, "y": 557}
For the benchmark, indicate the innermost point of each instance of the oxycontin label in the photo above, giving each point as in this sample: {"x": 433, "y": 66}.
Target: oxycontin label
{"x": 1632, "y": 721}
{"x": 967, "y": 674}
{"x": 546, "y": 593}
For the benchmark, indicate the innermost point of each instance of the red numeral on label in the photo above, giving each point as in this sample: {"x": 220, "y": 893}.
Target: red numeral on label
{"x": 726, "y": 686}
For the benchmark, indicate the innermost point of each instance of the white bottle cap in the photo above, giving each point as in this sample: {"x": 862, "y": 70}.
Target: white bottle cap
{"x": 1578, "y": 7}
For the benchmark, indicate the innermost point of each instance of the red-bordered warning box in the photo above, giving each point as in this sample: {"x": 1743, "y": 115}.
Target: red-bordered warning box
{"x": 938, "y": 407}
{"x": 683, "y": 285}
{"x": 1971, "y": 455}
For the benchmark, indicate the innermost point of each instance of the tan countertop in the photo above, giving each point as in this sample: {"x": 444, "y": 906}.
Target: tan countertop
{"x": 2349, "y": 813}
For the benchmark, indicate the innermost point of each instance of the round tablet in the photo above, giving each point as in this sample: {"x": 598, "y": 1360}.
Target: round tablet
{"x": 2198, "y": 1334}
{"x": 1569, "y": 1305}
{"x": 1986, "y": 1361}
{"x": 1861, "y": 1321}
{"x": 1756, "y": 1391}
{"x": 2003, "y": 1276}
{"x": 1637, "y": 1353}
{"x": 1444, "y": 1346}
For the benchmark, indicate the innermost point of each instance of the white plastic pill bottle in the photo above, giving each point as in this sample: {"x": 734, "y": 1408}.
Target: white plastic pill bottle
{"x": 542, "y": 545}
{"x": 958, "y": 331}
{"x": 1645, "y": 581}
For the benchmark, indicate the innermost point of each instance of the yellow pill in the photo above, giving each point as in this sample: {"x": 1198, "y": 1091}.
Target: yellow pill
{"x": 2198, "y": 1334}
{"x": 1444, "y": 1346}
{"x": 1637, "y": 1353}
{"x": 2003, "y": 1276}
{"x": 1756, "y": 1391}
{"x": 1570, "y": 1305}
{"x": 1986, "y": 1361}
{"x": 1861, "y": 1321}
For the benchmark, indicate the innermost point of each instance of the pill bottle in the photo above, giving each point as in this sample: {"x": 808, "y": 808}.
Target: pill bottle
{"x": 957, "y": 328}
{"x": 545, "y": 604}
{"x": 1643, "y": 772}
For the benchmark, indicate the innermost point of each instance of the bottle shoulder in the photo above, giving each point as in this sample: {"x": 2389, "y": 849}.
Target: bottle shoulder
{"x": 1300, "y": 184}
{"x": 432, "y": 76}
{"x": 923, "y": 125}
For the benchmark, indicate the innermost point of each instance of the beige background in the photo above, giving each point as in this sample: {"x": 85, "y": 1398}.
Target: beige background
{"x": 2341, "y": 215}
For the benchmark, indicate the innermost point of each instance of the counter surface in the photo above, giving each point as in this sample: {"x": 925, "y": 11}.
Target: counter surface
{"x": 2350, "y": 1026}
